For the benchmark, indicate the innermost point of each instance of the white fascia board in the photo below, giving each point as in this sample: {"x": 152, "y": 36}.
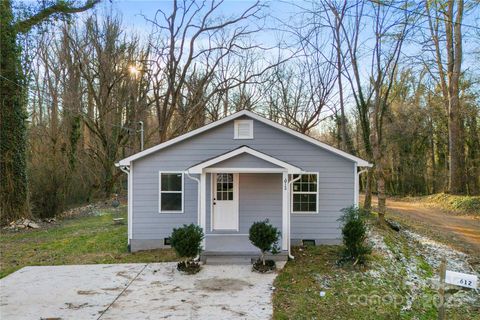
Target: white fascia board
{"x": 360, "y": 162}
{"x": 288, "y": 167}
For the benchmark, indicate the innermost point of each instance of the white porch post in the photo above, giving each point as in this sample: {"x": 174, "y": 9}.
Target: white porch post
{"x": 285, "y": 227}
{"x": 203, "y": 205}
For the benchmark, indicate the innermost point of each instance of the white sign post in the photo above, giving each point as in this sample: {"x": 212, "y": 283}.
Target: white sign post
{"x": 461, "y": 279}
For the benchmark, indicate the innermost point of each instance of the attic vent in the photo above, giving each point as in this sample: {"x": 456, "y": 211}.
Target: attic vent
{"x": 243, "y": 129}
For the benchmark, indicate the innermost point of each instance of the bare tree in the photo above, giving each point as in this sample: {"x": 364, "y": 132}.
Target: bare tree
{"x": 195, "y": 42}
{"x": 450, "y": 14}
{"x": 389, "y": 29}
{"x": 335, "y": 22}
{"x": 301, "y": 90}
{"x": 116, "y": 97}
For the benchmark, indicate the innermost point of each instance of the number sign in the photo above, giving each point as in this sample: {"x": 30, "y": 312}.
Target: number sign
{"x": 461, "y": 279}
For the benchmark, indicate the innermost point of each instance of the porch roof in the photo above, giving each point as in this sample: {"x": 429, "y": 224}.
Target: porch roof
{"x": 277, "y": 165}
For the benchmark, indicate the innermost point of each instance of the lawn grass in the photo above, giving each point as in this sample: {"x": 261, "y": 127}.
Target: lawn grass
{"x": 315, "y": 269}
{"x": 377, "y": 291}
{"x": 82, "y": 240}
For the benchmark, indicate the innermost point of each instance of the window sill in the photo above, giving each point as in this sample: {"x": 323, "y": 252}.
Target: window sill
{"x": 304, "y": 213}
{"x": 170, "y": 212}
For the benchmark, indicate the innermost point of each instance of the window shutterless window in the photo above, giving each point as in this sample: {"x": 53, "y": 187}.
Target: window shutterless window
{"x": 305, "y": 194}
{"x": 171, "y": 192}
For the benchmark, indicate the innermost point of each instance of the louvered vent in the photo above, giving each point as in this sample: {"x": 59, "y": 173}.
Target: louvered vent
{"x": 243, "y": 129}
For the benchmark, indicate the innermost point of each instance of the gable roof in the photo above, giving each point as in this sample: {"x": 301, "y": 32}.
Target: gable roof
{"x": 360, "y": 162}
{"x": 241, "y": 150}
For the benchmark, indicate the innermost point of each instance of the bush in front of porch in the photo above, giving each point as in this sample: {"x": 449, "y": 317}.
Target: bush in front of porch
{"x": 265, "y": 237}
{"x": 187, "y": 242}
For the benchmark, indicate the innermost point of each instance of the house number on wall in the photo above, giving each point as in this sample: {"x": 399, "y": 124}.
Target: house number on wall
{"x": 285, "y": 184}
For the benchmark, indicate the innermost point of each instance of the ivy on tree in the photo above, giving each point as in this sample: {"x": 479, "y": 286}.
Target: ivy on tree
{"x": 13, "y": 112}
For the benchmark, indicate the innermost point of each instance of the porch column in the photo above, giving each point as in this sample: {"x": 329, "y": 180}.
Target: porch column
{"x": 203, "y": 205}
{"x": 285, "y": 227}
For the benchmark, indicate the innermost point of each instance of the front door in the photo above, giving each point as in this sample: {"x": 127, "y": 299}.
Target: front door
{"x": 225, "y": 201}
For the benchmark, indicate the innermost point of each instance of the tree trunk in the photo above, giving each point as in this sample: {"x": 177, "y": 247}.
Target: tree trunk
{"x": 367, "y": 203}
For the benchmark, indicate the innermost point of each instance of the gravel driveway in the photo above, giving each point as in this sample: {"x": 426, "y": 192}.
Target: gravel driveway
{"x": 136, "y": 291}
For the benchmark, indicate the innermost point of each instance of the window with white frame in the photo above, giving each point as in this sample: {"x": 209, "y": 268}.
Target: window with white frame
{"x": 305, "y": 193}
{"x": 171, "y": 192}
{"x": 243, "y": 129}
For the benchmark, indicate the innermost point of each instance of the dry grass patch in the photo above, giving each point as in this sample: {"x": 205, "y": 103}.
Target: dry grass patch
{"x": 82, "y": 240}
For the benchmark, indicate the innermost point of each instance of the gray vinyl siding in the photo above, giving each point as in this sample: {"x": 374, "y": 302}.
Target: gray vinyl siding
{"x": 245, "y": 160}
{"x": 336, "y": 181}
{"x": 260, "y": 198}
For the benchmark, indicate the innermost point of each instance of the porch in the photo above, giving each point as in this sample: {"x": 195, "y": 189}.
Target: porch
{"x": 237, "y": 189}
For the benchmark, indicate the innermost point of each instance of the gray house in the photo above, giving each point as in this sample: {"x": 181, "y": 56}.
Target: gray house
{"x": 233, "y": 172}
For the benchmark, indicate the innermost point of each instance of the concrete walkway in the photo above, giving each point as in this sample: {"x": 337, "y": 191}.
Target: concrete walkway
{"x": 135, "y": 291}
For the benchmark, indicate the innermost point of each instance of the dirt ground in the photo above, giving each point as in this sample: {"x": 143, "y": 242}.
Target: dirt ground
{"x": 460, "y": 231}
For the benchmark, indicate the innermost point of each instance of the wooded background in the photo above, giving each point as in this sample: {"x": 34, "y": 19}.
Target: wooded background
{"x": 388, "y": 81}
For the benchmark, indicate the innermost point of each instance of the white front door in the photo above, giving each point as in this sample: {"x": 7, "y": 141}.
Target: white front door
{"x": 225, "y": 201}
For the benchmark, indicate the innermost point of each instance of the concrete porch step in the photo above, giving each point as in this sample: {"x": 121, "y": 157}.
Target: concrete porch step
{"x": 226, "y": 257}
{"x": 218, "y": 260}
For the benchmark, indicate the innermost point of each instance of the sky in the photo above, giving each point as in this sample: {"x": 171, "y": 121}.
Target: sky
{"x": 135, "y": 12}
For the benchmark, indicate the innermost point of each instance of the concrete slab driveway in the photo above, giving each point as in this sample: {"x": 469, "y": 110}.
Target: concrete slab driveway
{"x": 135, "y": 291}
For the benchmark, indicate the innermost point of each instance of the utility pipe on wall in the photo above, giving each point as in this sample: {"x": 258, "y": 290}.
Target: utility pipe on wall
{"x": 289, "y": 215}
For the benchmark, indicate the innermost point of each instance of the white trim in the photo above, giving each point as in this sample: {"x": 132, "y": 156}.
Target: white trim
{"x": 285, "y": 213}
{"x": 201, "y": 166}
{"x": 236, "y": 199}
{"x": 360, "y": 162}
{"x": 130, "y": 204}
{"x": 160, "y": 192}
{"x": 226, "y": 234}
{"x": 203, "y": 206}
{"x": 307, "y": 192}
{"x": 211, "y": 201}
{"x": 236, "y": 123}
{"x": 244, "y": 170}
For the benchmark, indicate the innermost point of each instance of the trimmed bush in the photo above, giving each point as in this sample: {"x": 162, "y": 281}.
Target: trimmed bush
{"x": 354, "y": 232}
{"x": 265, "y": 237}
{"x": 187, "y": 242}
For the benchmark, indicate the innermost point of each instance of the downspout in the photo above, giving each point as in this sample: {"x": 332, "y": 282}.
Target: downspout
{"x": 361, "y": 171}
{"x": 198, "y": 202}
{"x": 289, "y": 215}
{"x": 126, "y": 169}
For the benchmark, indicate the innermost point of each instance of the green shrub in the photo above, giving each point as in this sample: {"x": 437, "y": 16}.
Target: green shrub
{"x": 459, "y": 204}
{"x": 265, "y": 237}
{"x": 354, "y": 232}
{"x": 467, "y": 204}
{"x": 187, "y": 241}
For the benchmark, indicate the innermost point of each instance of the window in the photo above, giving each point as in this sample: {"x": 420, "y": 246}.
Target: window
{"x": 305, "y": 194}
{"x": 243, "y": 129}
{"x": 171, "y": 192}
{"x": 224, "y": 186}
